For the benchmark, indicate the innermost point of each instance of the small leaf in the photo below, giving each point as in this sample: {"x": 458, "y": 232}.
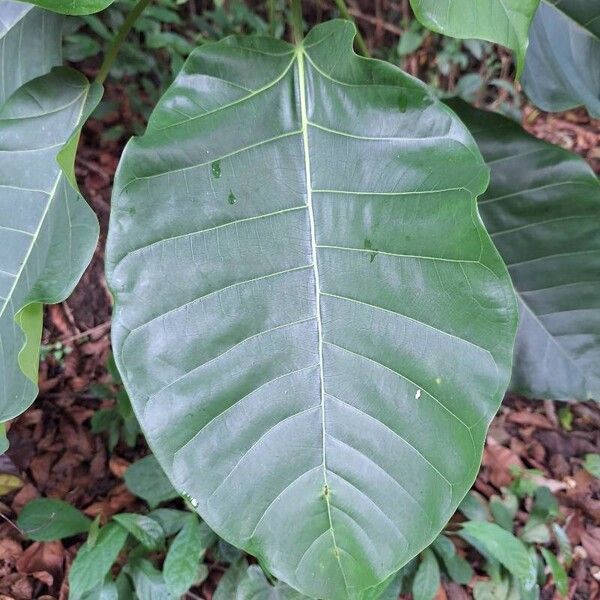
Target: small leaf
{"x": 46, "y": 519}
{"x": 146, "y": 530}
{"x": 9, "y": 483}
{"x": 545, "y": 503}
{"x": 592, "y": 464}
{"x": 502, "y": 515}
{"x": 427, "y": 579}
{"x": 170, "y": 520}
{"x": 503, "y": 546}
{"x": 3, "y": 439}
{"x": 228, "y": 584}
{"x": 535, "y": 531}
{"x": 458, "y": 569}
{"x": 254, "y": 586}
{"x": 561, "y": 581}
{"x": 475, "y": 507}
{"x": 146, "y": 479}
{"x": 105, "y": 591}
{"x": 91, "y": 564}
{"x": 491, "y": 590}
{"x": 148, "y": 582}
{"x": 564, "y": 544}
{"x": 565, "y": 417}
{"x": 183, "y": 558}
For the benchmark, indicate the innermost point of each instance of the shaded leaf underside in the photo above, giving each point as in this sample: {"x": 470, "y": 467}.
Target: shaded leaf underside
{"x": 311, "y": 321}
{"x": 542, "y": 209}
{"x": 562, "y": 68}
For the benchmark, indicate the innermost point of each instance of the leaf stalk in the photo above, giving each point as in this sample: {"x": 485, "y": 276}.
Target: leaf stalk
{"x": 360, "y": 40}
{"x": 297, "y": 26}
{"x": 117, "y": 42}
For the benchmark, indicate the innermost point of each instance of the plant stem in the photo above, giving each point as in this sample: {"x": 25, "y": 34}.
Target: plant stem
{"x": 272, "y": 15}
{"x": 116, "y": 44}
{"x": 297, "y": 21}
{"x": 360, "y": 41}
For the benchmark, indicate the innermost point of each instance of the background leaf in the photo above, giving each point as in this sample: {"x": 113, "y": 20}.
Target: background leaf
{"x": 145, "y": 529}
{"x": 46, "y": 519}
{"x": 340, "y": 428}
{"x": 561, "y": 581}
{"x": 504, "y": 22}
{"x": 542, "y": 209}
{"x": 20, "y": 63}
{"x": 562, "y": 67}
{"x": 427, "y": 578}
{"x": 46, "y": 242}
{"x": 592, "y": 464}
{"x": 503, "y": 546}
{"x": 229, "y": 583}
{"x": 146, "y": 479}
{"x": 183, "y": 558}
{"x": 149, "y": 582}
{"x": 93, "y": 561}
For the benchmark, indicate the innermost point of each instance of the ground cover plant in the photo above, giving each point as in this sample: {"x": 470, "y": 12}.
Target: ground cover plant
{"x": 325, "y": 274}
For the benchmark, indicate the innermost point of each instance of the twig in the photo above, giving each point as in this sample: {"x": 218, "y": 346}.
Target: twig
{"x": 98, "y": 329}
{"x": 116, "y": 44}
{"x": 360, "y": 41}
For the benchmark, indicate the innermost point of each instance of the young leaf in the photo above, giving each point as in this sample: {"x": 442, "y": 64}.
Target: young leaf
{"x": 542, "y": 209}
{"x": 504, "y": 22}
{"x": 563, "y": 59}
{"x": 19, "y": 62}
{"x": 183, "y": 558}
{"x": 504, "y": 547}
{"x": 170, "y": 520}
{"x": 73, "y": 7}
{"x": 427, "y": 579}
{"x": 458, "y": 569}
{"x": 592, "y": 464}
{"x": 105, "y": 591}
{"x": 92, "y": 563}
{"x": 48, "y": 240}
{"x": 254, "y": 586}
{"x": 148, "y": 582}
{"x": 561, "y": 581}
{"x": 45, "y": 519}
{"x": 146, "y": 530}
{"x": 301, "y": 297}
{"x": 229, "y": 583}
{"x": 146, "y": 479}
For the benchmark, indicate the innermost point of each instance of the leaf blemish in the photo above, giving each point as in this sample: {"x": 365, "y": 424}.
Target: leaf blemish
{"x": 418, "y": 394}
{"x": 215, "y": 169}
{"x": 325, "y": 491}
{"x": 368, "y": 245}
{"x": 231, "y": 198}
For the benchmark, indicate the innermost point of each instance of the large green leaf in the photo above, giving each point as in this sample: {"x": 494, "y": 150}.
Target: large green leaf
{"x": 505, "y": 22}
{"x": 47, "y": 231}
{"x": 30, "y": 40}
{"x": 72, "y": 7}
{"x": 542, "y": 209}
{"x": 562, "y": 67}
{"x": 312, "y": 324}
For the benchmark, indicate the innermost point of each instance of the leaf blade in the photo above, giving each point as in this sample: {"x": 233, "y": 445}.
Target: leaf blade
{"x": 231, "y": 198}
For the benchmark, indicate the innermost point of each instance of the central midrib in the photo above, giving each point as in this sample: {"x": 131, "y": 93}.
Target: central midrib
{"x": 311, "y": 218}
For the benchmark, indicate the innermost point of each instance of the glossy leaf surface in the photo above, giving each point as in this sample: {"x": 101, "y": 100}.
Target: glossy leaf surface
{"x": 311, "y": 322}
{"x": 562, "y": 68}
{"x": 504, "y": 22}
{"x": 73, "y": 7}
{"x": 47, "y": 231}
{"x": 21, "y": 62}
{"x": 542, "y": 209}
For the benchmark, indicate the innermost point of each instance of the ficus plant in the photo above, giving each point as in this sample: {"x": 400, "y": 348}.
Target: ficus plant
{"x": 318, "y": 270}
